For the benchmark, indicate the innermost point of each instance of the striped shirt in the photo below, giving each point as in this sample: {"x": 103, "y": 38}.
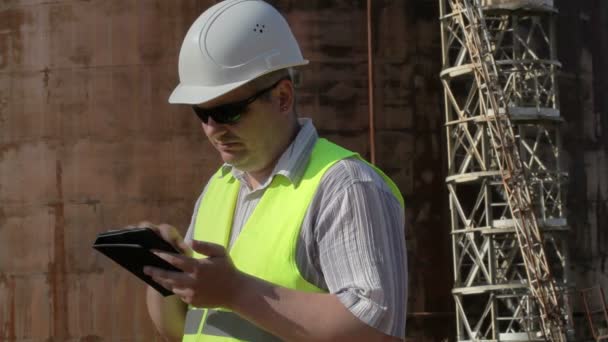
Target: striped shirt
{"x": 352, "y": 241}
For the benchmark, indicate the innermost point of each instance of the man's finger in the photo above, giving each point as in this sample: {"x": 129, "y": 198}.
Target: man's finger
{"x": 184, "y": 263}
{"x": 159, "y": 276}
{"x": 184, "y": 247}
{"x": 184, "y": 293}
{"x": 209, "y": 249}
{"x": 166, "y": 226}
{"x": 146, "y": 224}
{"x": 168, "y": 279}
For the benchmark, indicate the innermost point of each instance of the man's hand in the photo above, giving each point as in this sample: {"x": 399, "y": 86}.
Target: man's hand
{"x": 169, "y": 234}
{"x": 289, "y": 314}
{"x": 208, "y": 282}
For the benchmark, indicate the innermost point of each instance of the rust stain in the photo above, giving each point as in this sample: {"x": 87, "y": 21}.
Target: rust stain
{"x": 45, "y": 80}
{"x": 57, "y": 271}
{"x": 61, "y": 16}
{"x": 12, "y": 19}
{"x": 17, "y": 49}
{"x": 7, "y": 329}
{"x": 5, "y": 41}
{"x": 12, "y": 336}
{"x": 81, "y": 56}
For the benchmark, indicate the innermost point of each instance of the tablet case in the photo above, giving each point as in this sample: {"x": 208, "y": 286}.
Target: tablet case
{"x": 131, "y": 248}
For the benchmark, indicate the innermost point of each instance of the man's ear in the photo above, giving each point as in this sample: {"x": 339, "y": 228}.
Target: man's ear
{"x": 286, "y": 96}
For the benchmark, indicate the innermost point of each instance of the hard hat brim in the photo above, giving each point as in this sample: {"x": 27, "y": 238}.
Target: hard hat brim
{"x": 195, "y": 94}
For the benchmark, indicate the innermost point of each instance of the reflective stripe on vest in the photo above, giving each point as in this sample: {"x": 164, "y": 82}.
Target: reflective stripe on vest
{"x": 224, "y": 324}
{"x": 266, "y": 246}
{"x": 194, "y": 317}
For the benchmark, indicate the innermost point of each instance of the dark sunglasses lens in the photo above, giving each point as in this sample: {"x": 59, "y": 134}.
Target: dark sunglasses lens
{"x": 221, "y": 115}
{"x": 202, "y": 114}
{"x": 227, "y": 114}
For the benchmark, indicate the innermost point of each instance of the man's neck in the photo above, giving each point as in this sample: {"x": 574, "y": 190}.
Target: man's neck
{"x": 255, "y": 179}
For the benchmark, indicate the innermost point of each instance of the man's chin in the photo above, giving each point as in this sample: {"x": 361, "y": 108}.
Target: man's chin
{"x": 234, "y": 159}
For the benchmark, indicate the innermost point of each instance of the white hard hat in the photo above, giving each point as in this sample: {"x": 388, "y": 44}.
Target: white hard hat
{"x": 230, "y": 44}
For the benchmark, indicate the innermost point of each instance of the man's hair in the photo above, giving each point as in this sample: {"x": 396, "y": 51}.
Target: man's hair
{"x": 270, "y": 78}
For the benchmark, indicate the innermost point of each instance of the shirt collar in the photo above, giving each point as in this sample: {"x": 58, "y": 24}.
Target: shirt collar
{"x": 292, "y": 162}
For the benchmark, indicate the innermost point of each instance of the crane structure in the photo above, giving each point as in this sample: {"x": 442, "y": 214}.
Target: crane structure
{"x": 504, "y": 179}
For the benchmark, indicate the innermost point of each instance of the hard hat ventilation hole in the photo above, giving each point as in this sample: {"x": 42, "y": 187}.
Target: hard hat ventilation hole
{"x": 259, "y": 28}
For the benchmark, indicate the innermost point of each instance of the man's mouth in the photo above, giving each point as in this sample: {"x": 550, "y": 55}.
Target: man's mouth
{"x": 227, "y": 144}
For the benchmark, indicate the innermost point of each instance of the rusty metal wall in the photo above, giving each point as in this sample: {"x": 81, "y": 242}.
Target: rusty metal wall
{"x": 88, "y": 143}
{"x": 583, "y": 51}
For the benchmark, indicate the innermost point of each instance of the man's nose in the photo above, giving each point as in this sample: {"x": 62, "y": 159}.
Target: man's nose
{"x": 213, "y": 127}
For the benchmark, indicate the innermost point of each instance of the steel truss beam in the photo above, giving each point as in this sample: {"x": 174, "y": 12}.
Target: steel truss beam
{"x": 496, "y": 296}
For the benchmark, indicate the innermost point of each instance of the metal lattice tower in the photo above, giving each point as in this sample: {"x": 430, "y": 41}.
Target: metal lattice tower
{"x": 504, "y": 178}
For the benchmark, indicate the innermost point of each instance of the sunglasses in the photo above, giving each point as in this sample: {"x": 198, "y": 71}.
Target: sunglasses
{"x": 230, "y": 113}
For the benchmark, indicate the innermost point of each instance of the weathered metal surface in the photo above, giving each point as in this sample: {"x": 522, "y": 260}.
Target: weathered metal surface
{"x": 88, "y": 143}
{"x": 83, "y": 88}
{"x": 583, "y": 51}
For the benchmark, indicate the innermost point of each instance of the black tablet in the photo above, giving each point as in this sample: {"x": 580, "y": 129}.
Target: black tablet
{"x": 132, "y": 249}
{"x": 144, "y": 237}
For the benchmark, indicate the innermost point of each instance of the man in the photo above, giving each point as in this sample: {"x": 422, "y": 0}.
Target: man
{"x": 293, "y": 238}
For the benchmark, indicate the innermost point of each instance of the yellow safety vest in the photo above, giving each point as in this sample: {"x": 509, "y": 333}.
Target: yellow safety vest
{"x": 266, "y": 246}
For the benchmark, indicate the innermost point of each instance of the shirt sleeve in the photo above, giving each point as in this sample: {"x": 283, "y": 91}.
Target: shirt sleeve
{"x": 361, "y": 246}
